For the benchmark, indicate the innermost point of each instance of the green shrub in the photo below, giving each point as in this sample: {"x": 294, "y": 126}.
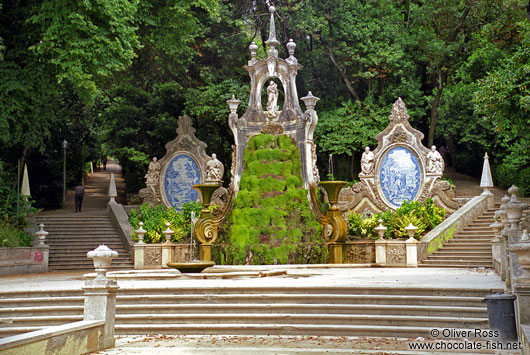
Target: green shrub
{"x": 424, "y": 216}
{"x": 13, "y": 236}
{"x": 156, "y": 217}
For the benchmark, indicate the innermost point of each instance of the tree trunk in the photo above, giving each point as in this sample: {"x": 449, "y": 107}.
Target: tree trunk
{"x": 342, "y": 74}
{"x": 442, "y": 77}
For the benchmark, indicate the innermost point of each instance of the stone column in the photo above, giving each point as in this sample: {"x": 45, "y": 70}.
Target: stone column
{"x": 100, "y": 294}
{"x": 496, "y": 242}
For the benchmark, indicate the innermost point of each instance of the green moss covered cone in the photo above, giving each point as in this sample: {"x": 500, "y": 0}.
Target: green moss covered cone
{"x": 271, "y": 221}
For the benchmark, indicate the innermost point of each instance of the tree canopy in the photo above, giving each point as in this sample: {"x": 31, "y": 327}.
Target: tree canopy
{"x": 112, "y": 77}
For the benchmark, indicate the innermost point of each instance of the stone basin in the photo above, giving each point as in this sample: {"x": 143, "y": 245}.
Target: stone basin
{"x": 191, "y": 267}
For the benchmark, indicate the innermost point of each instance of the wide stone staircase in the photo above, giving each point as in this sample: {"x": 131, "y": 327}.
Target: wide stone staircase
{"x": 469, "y": 248}
{"x": 71, "y": 236}
{"x": 327, "y": 310}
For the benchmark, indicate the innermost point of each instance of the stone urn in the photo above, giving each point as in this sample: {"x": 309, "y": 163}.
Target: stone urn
{"x": 102, "y": 257}
{"x": 206, "y": 191}
{"x": 333, "y": 189}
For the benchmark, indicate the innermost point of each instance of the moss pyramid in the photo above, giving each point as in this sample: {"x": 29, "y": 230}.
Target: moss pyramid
{"x": 271, "y": 221}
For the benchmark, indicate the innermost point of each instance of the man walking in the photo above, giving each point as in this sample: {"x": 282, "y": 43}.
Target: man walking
{"x": 79, "y": 192}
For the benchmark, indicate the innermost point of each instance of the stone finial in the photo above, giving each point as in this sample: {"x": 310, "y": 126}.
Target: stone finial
{"x": 310, "y": 101}
{"x": 25, "y": 183}
{"x": 272, "y": 42}
{"x": 233, "y": 104}
{"x": 380, "y": 229}
{"x": 140, "y": 233}
{"x": 102, "y": 257}
{"x": 486, "y": 181}
{"x": 411, "y": 229}
{"x": 112, "y": 189}
{"x": 291, "y": 46}
{"x": 168, "y": 233}
{"x": 514, "y": 191}
{"x": 514, "y": 208}
{"x": 399, "y": 112}
{"x": 41, "y": 235}
{"x": 253, "y": 48}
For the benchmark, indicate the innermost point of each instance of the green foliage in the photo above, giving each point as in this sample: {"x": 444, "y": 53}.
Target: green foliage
{"x": 155, "y": 218}
{"x": 12, "y": 236}
{"x": 424, "y": 216}
{"x": 13, "y": 214}
{"x": 271, "y": 221}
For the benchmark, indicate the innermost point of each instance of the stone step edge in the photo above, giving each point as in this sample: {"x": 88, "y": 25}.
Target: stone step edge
{"x": 267, "y": 307}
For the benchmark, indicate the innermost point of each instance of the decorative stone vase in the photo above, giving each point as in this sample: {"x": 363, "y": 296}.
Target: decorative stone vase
{"x": 333, "y": 189}
{"x": 334, "y": 226}
{"x": 206, "y": 191}
{"x": 206, "y": 228}
{"x": 102, "y": 257}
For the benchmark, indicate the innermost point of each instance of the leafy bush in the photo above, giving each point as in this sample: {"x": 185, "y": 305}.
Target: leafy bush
{"x": 12, "y": 214}
{"x": 12, "y": 236}
{"x": 156, "y": 217}
{"x": 424, "y": 216}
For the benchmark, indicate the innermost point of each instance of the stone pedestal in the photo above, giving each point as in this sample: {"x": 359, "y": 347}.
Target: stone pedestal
{"x": 100, "y": 294}
{"x": 380, "y": 252}
{"x": 412, "y": 252}
{"x": 139, "y": 253}
{"x": 100, "y": 304}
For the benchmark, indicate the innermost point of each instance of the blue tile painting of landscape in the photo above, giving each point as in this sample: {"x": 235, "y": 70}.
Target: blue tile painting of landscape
{"x": 181, "y": 173}
{"x": 400, "y": 176}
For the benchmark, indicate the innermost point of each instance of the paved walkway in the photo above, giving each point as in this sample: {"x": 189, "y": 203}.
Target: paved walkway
{"x": 96, "y": 192}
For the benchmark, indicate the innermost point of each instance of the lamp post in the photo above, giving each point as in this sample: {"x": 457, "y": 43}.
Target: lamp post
{"x": 65, "y": 145}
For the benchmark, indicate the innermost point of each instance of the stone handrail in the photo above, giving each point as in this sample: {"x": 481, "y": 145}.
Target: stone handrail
{"x": 453, "y": 224}
{"x": 121, "y": 222}
{"x": 75, "y": 338}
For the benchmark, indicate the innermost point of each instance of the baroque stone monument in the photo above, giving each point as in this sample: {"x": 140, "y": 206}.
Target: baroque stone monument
{"x": 399, "y": 169}
{"x": 274, "y": 117}
{"x": 169, "y": 180}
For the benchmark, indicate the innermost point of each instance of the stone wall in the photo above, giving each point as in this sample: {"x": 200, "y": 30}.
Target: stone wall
{"x": 24, "y": 260}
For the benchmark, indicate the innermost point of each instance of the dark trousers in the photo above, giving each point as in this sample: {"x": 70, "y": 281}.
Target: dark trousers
{"x": 78, "y": 202}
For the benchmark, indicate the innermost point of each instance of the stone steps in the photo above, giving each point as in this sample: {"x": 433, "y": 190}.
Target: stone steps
{"x": 328, "y": 310}
{"x": 72, "y": 236}
{"x": 469, "y": 248}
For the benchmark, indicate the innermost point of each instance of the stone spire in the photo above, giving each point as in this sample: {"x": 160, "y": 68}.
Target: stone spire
{"x": 486, "y": 181}
{"x": 272, "y": 42}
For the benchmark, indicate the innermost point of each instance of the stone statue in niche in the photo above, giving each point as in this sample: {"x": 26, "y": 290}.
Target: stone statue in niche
{"x": 214, "y": 169}
{"x": 435, "y": 162}
{"x": 367, "y": 162}
{"x": 153, "y": 174}
{"x": 272, "y": 100}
